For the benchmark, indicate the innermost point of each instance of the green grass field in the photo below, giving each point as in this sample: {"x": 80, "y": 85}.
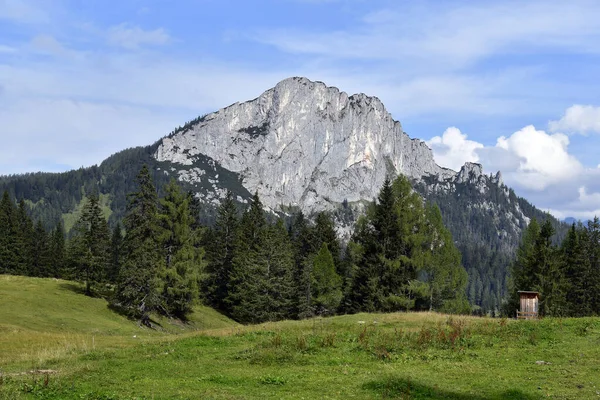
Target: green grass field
{"x": 84, "y": 351}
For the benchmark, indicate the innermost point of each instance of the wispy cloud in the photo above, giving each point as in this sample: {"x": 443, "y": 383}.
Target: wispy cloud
{"x": 22, "y": 11}
{"x": 578, "y": 119}
{"x": 133, "y": 37}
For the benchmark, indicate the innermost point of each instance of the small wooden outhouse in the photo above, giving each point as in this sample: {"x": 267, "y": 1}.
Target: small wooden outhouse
{"x": 528, "y": 305}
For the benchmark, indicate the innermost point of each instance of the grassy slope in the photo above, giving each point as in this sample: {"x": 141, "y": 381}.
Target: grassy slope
{"x": 421, "y": 356}
{"x": 44, "y": 319}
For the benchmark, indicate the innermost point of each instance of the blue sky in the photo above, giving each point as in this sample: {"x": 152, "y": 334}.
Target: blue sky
{"x": 511, "y": 84}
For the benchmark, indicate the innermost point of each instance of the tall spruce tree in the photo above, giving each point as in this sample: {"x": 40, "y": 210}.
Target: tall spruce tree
{"x": 302, "y": 236}
{"x": 184, "y": 262}
{"x": 247, "y": 295}
{"x": 549, "y": 274}
{"x": 221, "y": 248}
{"x": 444, "y": 274}
{"x": 9, "y": 257}
{"x": 577, "y": 272}
{"x": 278, "y": 258}
{"x": 58, "y": 251}
{"x": 24, "y": 240}
{"x": 40, "y": 266}
{"x": 138, "y": 288}
{"x": 592, "y": 249}
{"x": 116, "y": 254}
{"x": 326, "y": 283}
{"x": 90, "y": 245}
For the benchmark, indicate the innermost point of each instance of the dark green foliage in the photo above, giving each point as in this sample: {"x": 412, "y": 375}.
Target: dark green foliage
{"x": 221, "y": 245}
{"x": 116, "y": 254}
{"x": 326, "y": 283}
{"x": 40, "y": 257}
{"x": 402, "y": 257}
{"x": 9, "y": 257}
{"x": 565, "y": 278}
{"x": 138, "y": 289}
{"x": 89, "y": 248}
{"x": 260, "y": 286}
{"x": 183, "y": 263}
{"x": 58, "y": 251}
{"x": 485, "y": 234}
{"x": 256, "y": 131}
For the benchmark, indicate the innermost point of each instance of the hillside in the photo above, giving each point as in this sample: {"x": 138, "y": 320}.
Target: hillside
{"x": 42, "y": 319}
{"x": 58, "y": 344}
{"x": 303, "y": 145}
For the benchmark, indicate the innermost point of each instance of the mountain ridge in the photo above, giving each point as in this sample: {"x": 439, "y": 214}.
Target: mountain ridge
{"x": 303, "y": 145}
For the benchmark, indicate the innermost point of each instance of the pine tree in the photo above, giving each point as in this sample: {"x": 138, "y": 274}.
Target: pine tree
{"x": 9, "y": 258}
{"x": 24, "y": 240}
{"x": 326, "y": 283}
{"x": 522, "y": 270}
{"x": 183, "y": 260}
{"x": 592, "y": 250}
{"x": 302, "y": 237}
{"x": 221, "y": 249}
{"x": 90, "y": 246}
{"x": 577, "y": 272}
{"x": 58, "y": 251}
{"x": 41, "y": 252}
{"x": 248, "y": 289}
{"x": 116, "y": 254}
{"x": 445, "y": 276}
{"x": 138, "y": 287}
{"x": 548, "y": 273}
{"x": 278, "y": 258}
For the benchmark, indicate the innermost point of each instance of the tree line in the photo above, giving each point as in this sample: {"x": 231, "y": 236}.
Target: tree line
{"x": 250, "y": 265}
{"x": 567, "y": 276}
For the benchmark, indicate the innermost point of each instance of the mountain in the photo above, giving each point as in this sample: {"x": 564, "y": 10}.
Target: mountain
{"x": 306, "y": 146}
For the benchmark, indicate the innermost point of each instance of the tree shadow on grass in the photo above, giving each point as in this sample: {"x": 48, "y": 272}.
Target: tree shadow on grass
{"x": 97, "y": 293}
{"x": 398, "y": 388}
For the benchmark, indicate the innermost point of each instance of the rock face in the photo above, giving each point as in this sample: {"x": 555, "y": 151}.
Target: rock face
{"x": 303, "y": 144}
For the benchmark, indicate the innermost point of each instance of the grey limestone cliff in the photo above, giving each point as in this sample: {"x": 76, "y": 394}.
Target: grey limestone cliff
{"x": 303, "y": 144}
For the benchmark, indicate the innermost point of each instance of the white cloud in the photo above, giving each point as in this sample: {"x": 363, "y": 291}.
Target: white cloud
{"x": 453, "y": 149}
{"x": 452, "y": 36}
{"x": 578, "y": 119}
{"x": 48, "y": 44}
{"x": 536, "y": 164}
{"x": 529, "y": 158}
{"x": 543, "y": 159}
{"x": 22, "y": 11}
{"x": 133, "y": 37}
{"x": 7, "y": 49}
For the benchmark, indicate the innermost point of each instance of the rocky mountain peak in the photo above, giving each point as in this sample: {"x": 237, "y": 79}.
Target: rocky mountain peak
{"x": 303, "y": 144}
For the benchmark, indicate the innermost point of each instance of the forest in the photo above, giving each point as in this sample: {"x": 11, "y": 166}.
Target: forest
{"x": 256, "y": 267}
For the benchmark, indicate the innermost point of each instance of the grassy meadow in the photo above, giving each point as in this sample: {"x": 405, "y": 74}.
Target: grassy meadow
{"x": 56, "y": 343}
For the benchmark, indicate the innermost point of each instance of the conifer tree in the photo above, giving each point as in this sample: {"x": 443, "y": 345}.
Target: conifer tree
{"x": 183, "y": 260}
{"x": 522, "y": 270}
{"x": 577, "y": 272}
{"x": 302, "y": 237}
{"x": 247, "y": 289}
{"x": 548, "y": 273}
{"x": 326, "y": 283}
{"x": 58, "y": 251}
{"x": 24, "y": 240}
{"x": 9, "y": 262}
{"x": 221, "y": 248}
{"x": 592, "y": 250}
{"x": 278, "y": 258}
{"x": 90, "y": 246}
{"x": 116, "y": 254}
{"x": 445, "y": 276}
{"x": 138, "y": 287}
{"x": 41, "y": 252}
